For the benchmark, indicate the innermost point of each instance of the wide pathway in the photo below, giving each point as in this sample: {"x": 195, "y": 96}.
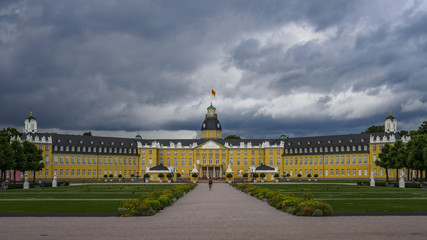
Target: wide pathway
{"x": 223, "y": 213}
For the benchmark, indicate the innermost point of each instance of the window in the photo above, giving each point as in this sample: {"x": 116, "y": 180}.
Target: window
{"x": 278, "y": 161}
{"x": 61, "y": 172}
{"x": 89, "y": 160}
{"x": 253, "y": 161}
{"x": 360, "y": 172}
{"x": 342, "y": 172}
{"x": 320, "y": 160}
{"x": 365, "y": 159}
{"x": 305, "y": 160}
{"x": 342, "y": 160}
{"x": 245, "y": 161}
{"x": 115, "y": 161}
{"x": 348, "y": 172}
{"x": 353, "y": 159}
{"x": 337, "y": 159}
{"x": 47, "y": 172}
{"x": 46, "y": 159}
{"x": 354, "y": 172}
{"x": 231, "y": 161}
{"x": 72, "y": 160}
{"x": 78, "y": 159}
{"x": 271, "y": 161}
{"x": 142, "y": 161}
{"x": 238, "y": 161}
{"x": 168, "y": 161}
{"x": 337, "y": 172}
{"x": 190, "y": 161}
{"x": 315, "y": 160}
{"x": 374, "y": 148}
{"x": 217, "y": 160}
{"x": 374, "y": 158}
{"x": 326, "y": 161}
{"x": 359, "y": 159}
{"x": 175, "y": 161}
{"x": 55, "y": 159}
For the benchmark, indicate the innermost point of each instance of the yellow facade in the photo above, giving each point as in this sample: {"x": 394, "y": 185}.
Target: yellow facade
{"x": 343, "y": 157}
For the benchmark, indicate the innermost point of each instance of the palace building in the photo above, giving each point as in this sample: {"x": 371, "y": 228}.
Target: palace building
{"x": 349, "y": 156}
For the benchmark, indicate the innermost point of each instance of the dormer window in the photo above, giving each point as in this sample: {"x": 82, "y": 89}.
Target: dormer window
{"x": 362, "y": 140}
{"x": 299, "y": 143}
{"x": 69, "y": 141}
{"x": 351, "y": 140}
{"x": 121, "y": 144}
{"x": 308, "y": 142}
{"x": 318, "y": 142}
{"x": 329, "y": 141}
{"x": 102, "y": 143}
{"x": 81, "y": 141}
{"x": 112, "y": 143}
{"x": 59, "y": 140}
{"x": 91, "y": 142}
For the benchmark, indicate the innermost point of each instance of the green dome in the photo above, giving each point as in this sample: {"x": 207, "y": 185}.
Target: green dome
{"x": 211, "y": 107}
{"x": 138, "y": 136}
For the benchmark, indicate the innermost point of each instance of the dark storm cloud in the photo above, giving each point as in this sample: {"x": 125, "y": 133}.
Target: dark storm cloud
{"x": 132, "y": 65}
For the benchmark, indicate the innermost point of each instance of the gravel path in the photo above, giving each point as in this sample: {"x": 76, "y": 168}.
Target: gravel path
{"x": 218, "y": 214}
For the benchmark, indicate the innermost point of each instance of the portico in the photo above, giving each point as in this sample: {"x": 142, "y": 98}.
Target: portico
{"x": 211, "y": 171}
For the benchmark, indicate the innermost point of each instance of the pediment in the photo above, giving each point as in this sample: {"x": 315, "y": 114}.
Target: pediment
{"x": 211, "y": 145}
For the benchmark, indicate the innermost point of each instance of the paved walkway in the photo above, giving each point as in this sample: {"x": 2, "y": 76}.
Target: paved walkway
{"x": 223, "y": 213}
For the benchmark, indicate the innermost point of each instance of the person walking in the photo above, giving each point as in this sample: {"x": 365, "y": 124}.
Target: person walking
{"x": 210, "y": 184}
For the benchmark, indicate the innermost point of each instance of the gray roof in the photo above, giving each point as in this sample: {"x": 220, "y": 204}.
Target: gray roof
{"x": 333, "y": 141}
{"x": 211, "y": 123}
{"x": 159, "y": 167}
{"x": 263, "y": 167}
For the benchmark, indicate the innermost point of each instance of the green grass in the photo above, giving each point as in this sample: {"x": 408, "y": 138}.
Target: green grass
{"x": 105, "y": 194}
{"x": 360, "y": 198}
{"x": 41, "y": 206}
{"x": 411, "y": 205}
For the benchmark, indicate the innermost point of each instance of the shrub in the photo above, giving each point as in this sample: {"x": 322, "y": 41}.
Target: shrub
{"x": 229, "y": 175}
{"x": 120, "y": 176}
{"x": 262, "y": 175}
{"x": 147, "y": 175}
{"x": 288, "y": 175}
{"x": 149, "y": 204}
{"x": 309, "y": 175}
{"x": 255, "y": 175}
{"x": 194, "y": 175}
{"x": 105, "y": 176}
{"x": 169, "y": 176}
{"x": 276, "y": 175}
{"x": 111, "y": 175}
{"x": 299, "y": 175}
{"x": 316, "y": 176}
{"x": 245, "y": 175}
{"x": 178, "y": 175}
{"x": 132, "y": 175}
{"x": 287, "y": 202}
{"x": 161, "y": 175}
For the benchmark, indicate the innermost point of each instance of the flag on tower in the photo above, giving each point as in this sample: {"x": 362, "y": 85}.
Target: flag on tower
{"x": 213, "y": 93}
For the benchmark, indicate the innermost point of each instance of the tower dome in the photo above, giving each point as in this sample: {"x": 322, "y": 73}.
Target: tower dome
{"x": 390, "y": 124}
{"x": 211, "y": 127}
{"x": 30, "y": 124}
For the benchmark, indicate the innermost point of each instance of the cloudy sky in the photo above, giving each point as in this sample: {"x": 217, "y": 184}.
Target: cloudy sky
{"x": 300, "y": 67}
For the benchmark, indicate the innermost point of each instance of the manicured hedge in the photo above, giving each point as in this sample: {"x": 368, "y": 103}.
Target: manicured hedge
{"x": 149, "y": 204}
{"x": 287, "y": 202}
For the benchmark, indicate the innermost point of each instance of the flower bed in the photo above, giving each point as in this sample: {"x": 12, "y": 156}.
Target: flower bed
{"x": 287, "y": 202}
{"x": 149, "y": 204}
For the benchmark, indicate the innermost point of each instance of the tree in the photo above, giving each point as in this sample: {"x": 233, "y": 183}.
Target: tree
{"x": 19, "y": 157}
{"x": 374, "y": 129}
{"x": 232, "y": 137}
{"x": 9, "y": 133}
{"x": 34, "y": 158}
{"x": 397, "y": 157}
{"x": 417, "y": 153}
{"x": 87, "y": 134}
{"x": 383, "y": 160}
{"x": 6, "y": 157}
{"x": 403, "y": 133}
{"x": 423, "y": 128}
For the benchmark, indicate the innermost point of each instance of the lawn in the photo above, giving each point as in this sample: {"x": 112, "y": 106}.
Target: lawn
{"x": 349, "y": 198}
{"x": 104, "y": 198}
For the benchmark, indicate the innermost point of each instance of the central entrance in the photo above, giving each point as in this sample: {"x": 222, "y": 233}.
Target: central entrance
{"x": 211, "y": 171}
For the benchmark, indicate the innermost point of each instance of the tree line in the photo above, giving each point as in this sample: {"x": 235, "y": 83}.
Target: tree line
{"x": 412, "y": 155}
{"x": 18, "y": 155}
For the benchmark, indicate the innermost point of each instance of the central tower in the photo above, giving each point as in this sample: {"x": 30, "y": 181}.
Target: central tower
{"x": 211, "y": 127}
